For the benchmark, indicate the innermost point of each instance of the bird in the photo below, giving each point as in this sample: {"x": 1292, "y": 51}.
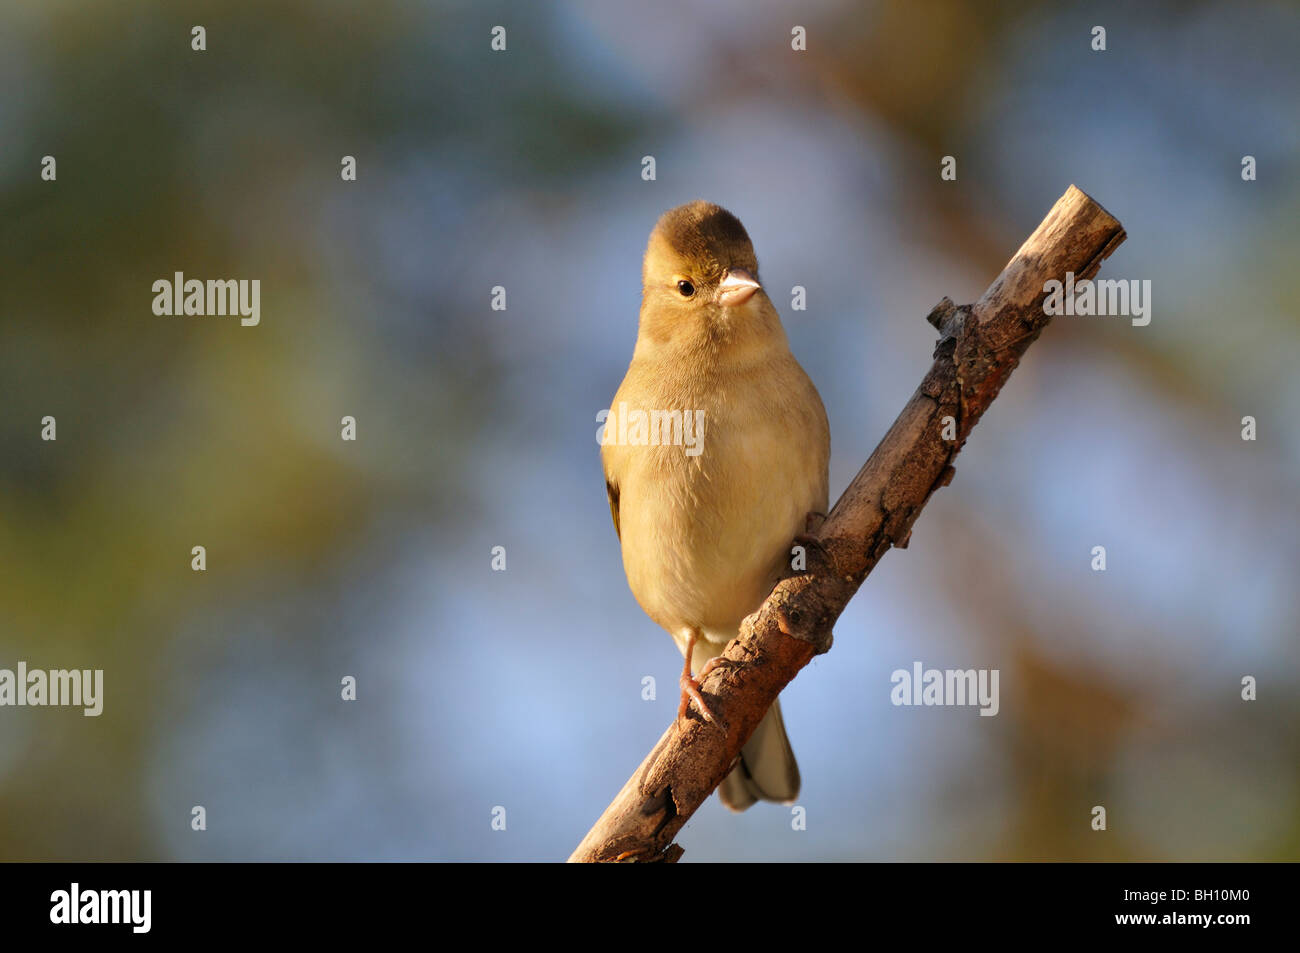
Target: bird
{"x": 706, "y": 529}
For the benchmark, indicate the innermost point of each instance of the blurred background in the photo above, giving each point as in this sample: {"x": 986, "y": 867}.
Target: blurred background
{"x": 476, "y": 428}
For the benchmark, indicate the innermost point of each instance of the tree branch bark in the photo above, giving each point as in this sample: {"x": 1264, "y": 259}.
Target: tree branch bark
{"x": 980, "y": 345}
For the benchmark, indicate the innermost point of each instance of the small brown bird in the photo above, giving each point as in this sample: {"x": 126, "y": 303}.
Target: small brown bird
{"x": 715, "y": 452}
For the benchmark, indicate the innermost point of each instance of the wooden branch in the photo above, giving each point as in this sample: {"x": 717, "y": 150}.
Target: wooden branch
{"x": 979, "y": 347}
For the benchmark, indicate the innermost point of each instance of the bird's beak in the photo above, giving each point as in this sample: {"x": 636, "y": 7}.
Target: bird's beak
{"x": 737, "y": 287}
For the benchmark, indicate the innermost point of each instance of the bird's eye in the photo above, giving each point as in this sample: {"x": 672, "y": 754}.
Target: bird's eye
{"x": 686, "y": 288}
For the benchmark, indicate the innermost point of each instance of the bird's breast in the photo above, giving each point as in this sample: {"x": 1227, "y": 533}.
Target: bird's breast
{"x": 706, "y": 533}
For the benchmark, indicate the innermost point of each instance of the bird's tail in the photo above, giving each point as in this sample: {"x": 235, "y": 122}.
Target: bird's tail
{"x": 767, "y": 770}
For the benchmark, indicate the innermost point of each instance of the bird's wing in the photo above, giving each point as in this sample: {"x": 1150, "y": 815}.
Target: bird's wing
{"x": 612, "y": 492}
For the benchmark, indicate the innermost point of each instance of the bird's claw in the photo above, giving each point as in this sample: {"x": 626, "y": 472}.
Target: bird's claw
{"x": 691, "y": 693}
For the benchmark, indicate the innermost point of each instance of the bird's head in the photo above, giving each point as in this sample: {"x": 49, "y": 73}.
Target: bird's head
{"x": 700, "y": 273}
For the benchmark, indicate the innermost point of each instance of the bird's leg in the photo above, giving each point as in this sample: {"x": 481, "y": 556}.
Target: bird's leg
{"x": 691, "y": 686}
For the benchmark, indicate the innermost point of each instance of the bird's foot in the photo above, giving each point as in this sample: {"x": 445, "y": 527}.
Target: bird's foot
{"x": 690, "y": 684}
{"x": 691, "y": 693}
{"x": 814, "y": 543}
{"x": 809, "y": 540}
